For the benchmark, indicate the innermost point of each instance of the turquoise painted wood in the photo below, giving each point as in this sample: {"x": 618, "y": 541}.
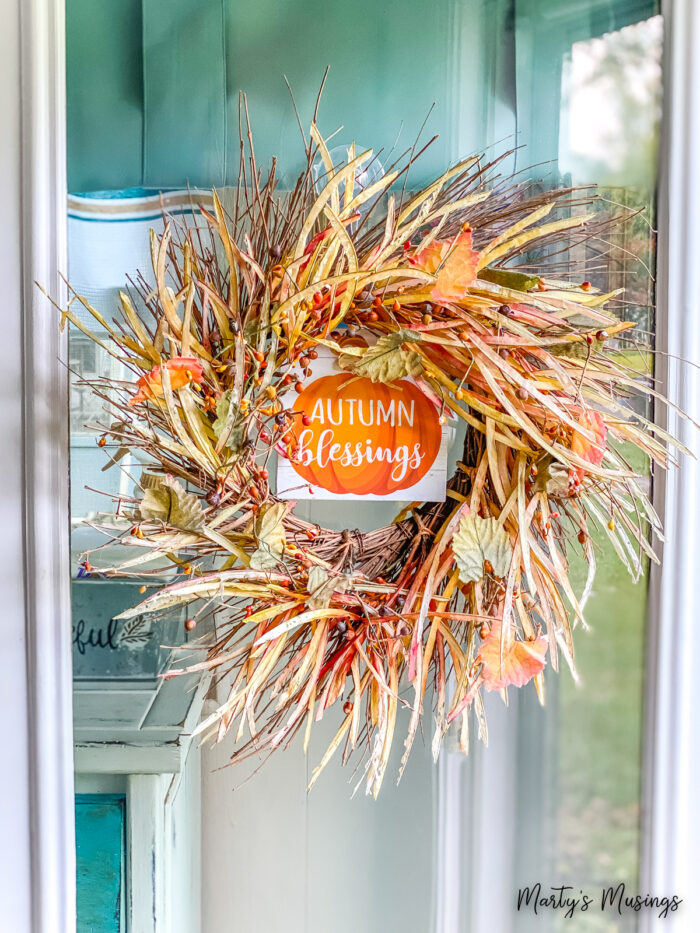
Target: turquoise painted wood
{"x": 100, "y": 854}
{"x": 153, "y": 85}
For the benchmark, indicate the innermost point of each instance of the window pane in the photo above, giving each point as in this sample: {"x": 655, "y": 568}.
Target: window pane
{"x": 555, "y": 796}
{"x": 591, "y": 734}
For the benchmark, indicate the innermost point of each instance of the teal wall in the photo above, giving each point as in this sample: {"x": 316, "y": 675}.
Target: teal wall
{"x": 100, "y": 856}
{"x": 104, "y": 85}
{"x": 153, "y": 84}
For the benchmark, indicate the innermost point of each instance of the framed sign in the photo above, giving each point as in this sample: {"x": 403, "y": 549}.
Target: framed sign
{"x": 358, "y": 439}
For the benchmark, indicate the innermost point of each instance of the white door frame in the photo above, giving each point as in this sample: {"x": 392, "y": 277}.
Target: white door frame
{"x": 41, "y": 613}
{"x": 671, "y": 827}
{"x": 46, "y": 504}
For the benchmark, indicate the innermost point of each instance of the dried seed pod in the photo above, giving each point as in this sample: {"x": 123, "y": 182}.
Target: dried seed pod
{"x": 214, "y": 498}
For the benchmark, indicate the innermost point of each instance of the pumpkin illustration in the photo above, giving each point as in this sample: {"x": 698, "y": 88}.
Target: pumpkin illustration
{"x": 362, "y": 437}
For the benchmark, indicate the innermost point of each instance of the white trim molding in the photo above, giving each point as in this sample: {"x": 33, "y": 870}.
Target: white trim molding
{"x": 46, "y": 551}
{"x": 163, "y": 850}
{"x": 671, "y": 840}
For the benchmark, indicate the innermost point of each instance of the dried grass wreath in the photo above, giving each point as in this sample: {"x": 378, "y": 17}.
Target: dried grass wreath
{"x": 470, "y": 290}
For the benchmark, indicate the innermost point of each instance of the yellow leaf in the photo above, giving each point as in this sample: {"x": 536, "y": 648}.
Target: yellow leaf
{"x": 166, "y": 500}
{"x": 478, "y": 540}
{"x": 269, "y": 532}
{"x": 387, "y": 360}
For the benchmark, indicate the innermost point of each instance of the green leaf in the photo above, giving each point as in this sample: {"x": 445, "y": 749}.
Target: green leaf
{"x": 508, "y": 278}
{"x": 269, "y": 533}
{"x": 223, "y": 404}
{"x": 576, "y": 349}
{"x": 166, "y": 499}
{"x": 224, "y": 424}
{"x": 322, "y": 587}
{"x": 478, "y": 540}
{"x": 387, "y": 360}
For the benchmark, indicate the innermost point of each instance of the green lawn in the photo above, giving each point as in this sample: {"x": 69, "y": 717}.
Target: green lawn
{"x": 599, "y": 736}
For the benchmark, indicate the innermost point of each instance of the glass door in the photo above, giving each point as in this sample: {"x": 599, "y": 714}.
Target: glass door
{"x": 572, "y": 90}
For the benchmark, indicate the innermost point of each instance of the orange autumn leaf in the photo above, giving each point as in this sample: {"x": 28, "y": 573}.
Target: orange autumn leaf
{"x": 519, "y": 662}
{"x": 454, "y": 262}
{"x": 182, "y": 369}
{"x": 592, "y": 451}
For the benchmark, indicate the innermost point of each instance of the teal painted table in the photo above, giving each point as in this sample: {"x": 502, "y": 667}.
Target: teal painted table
{"x": 100, "y": 854}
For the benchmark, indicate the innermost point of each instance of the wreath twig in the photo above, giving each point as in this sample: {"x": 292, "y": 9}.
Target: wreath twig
{"x": 454, "y": 597}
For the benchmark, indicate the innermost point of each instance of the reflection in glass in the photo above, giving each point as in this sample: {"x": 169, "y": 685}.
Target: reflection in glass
{"x": 555, "y": 796}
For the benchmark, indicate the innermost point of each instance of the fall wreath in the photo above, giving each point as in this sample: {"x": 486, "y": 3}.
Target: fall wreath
{"x": 465, "y": 294}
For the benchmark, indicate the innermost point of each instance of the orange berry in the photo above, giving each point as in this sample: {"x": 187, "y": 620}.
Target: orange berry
{"x": 102, "y": 441}
{"x": 190, "y": 624}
